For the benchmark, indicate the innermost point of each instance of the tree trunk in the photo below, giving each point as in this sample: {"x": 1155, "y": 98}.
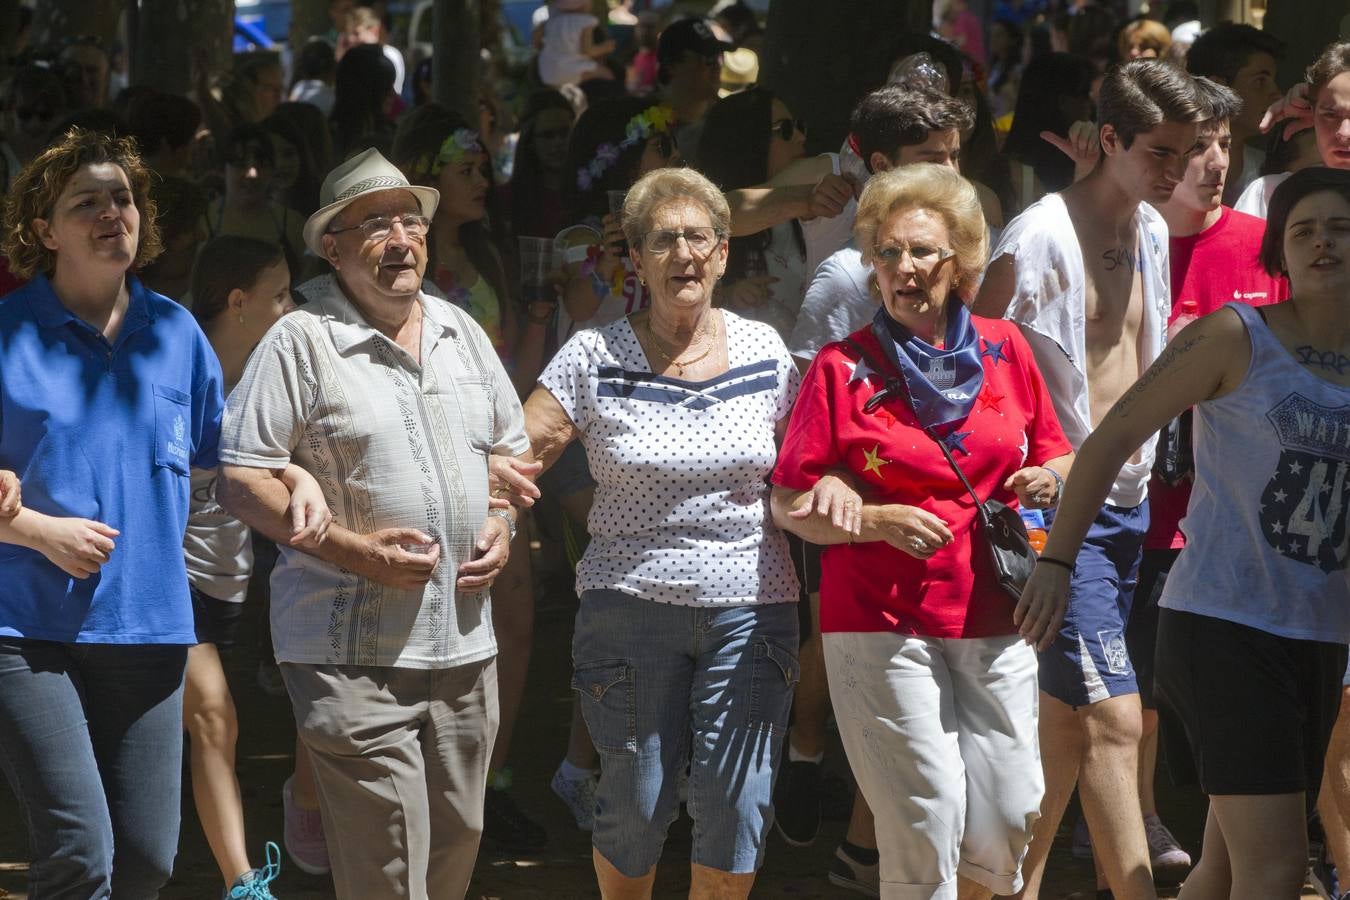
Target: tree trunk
{"x": 821, "y": 58}
{"x": 57, "y": 19}
{"x": 454, "y": 57}
{"x": 9, "y": 33}
{"x": 1306, "y": 27}
{"x": 172, "y": 32}
{"x": 309, "y": 18}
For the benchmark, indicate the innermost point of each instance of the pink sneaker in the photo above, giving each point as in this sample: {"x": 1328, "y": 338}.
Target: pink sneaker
{"x": 303, "y": 835}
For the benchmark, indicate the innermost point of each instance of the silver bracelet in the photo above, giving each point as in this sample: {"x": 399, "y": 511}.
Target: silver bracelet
{"x": 510, "y": 520}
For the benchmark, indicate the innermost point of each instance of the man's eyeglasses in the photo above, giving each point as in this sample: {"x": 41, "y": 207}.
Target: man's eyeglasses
{"x": 786, "y": 128}
{"x": 701, "y": 241}
{"x": 380, "y": 227}
{"x": 922, "y": 256}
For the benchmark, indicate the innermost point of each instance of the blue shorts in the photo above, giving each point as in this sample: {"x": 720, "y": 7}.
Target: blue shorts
{"x": 665, "y": 687}
{"x": 1089, "y": 661}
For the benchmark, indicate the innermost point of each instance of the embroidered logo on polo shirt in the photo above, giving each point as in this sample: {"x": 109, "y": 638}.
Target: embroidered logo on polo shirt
{"x": 177, "y": 448}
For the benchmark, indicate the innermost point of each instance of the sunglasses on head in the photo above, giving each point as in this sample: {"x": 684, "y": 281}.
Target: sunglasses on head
{"x": 786, "y": 128}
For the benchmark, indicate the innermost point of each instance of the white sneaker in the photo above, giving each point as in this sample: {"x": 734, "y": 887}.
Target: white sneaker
{"x": 579, "y": 795}
{"x": 846, "y": 872}
{"x": 1163, "y": 850}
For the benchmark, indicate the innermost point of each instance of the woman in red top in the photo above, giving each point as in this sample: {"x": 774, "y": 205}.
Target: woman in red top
{"x": 933, "y": 688}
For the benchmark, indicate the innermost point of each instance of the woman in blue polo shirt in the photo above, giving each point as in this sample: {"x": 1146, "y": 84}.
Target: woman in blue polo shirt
{"x": 109, "y": 393}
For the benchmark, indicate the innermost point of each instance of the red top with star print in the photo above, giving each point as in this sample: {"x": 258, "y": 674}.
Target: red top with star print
{"x": 874, "y": 586}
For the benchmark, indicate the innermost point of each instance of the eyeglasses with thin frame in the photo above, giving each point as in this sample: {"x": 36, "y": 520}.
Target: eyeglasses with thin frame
{"x": 786, "y": 128}
{"x": 379, "y": 228}
{"x": 702, "y": 241}
{"x": 923, "y": 256}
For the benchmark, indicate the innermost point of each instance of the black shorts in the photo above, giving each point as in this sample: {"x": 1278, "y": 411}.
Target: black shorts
{"x": 806, "y": 560}
{"x": 215, "y": 621}
{"x": 1255, "y": 709}
{"x": 1141, "y": 631}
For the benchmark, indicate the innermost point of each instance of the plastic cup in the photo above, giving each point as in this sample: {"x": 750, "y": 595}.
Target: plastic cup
{"x": 536, "y": 269}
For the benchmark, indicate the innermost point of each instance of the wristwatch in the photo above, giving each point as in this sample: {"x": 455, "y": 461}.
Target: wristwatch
{"x": 510, "y": 520}
{"x": 1059, "y": 485}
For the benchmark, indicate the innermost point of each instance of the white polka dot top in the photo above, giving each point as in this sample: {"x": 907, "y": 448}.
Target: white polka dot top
{"x": 681, "y": 511}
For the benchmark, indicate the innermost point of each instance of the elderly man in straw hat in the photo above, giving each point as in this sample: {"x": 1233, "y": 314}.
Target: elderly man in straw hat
{"x": 394, "y": 401}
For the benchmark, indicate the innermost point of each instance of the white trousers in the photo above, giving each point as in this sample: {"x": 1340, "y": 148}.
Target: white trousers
{"x": 941, "y": 736}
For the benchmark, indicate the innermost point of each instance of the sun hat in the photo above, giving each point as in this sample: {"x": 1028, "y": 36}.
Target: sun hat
{"x": 740, "y": 70}
{"x": 366, "y": 173}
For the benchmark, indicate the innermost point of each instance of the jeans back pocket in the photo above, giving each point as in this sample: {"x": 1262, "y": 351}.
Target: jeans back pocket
{"x": 608, "y": 704}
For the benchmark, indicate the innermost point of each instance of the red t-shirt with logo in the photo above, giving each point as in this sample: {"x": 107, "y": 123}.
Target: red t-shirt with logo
{"x": 1217, "y": 266}
{"x": 873, "y": 586}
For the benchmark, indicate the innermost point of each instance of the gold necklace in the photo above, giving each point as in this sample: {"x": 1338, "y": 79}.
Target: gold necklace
{"x": 680, "y": 366}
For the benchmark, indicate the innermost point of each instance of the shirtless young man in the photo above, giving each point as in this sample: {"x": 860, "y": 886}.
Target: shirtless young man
{"x": 1085, "y": 273}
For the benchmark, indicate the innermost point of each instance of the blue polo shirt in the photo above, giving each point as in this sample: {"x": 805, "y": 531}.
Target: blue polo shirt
{"x": 105, "y": 431}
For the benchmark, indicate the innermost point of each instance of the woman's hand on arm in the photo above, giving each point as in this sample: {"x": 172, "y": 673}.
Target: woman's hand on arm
{"x": 308, "y": 508}
{"x": 829, "y": 513}
{"x": 511, "y": 480}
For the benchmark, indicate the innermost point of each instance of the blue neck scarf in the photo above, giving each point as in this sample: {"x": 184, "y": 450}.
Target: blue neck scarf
{"x": 942, "y": 384}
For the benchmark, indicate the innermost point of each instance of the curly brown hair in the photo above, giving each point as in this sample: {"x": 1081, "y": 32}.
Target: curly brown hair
{"x": 34, "y": 193}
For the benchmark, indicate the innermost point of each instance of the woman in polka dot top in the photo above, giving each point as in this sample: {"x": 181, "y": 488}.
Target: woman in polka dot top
{"x": 685, "y": 648}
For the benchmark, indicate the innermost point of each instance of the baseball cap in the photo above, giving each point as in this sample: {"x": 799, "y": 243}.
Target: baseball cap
{"x": 692, "y": 35}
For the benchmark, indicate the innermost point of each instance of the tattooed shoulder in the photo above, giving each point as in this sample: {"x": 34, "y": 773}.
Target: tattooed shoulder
{"x": 1172, "y": 356}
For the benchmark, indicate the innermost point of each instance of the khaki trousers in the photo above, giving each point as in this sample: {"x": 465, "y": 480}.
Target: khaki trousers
{"x": 401, "y": 760}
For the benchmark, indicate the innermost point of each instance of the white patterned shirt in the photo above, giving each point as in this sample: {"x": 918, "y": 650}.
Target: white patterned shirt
{"x": 392, "y": 444}
{"x": 681, "y": 512}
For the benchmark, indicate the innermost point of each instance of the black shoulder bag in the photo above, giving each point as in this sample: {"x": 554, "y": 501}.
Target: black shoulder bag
{"x": 1005, "y": 537}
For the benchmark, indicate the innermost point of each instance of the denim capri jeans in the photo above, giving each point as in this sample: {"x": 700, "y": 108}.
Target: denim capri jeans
{"x": 663, "y": 687}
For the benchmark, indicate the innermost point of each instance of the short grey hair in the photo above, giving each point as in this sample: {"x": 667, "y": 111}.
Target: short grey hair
{"x": 663, "y": 186}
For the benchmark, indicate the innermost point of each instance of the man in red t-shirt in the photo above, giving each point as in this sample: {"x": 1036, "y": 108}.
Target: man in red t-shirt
{"x": 1213, "y": 255}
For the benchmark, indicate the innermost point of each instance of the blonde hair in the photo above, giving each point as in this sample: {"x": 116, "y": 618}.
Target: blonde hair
{"x": 656, "y": 189}
{"x": 363, "y": 17}
{"x": 1146, "y": 34}
{"x": 938, "y": 190}
{"x": 36, "y": 189}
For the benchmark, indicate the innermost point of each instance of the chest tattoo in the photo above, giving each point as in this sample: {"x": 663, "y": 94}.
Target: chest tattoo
{"x": 1313, "y": 358}
{"x": 1119, "y": 258}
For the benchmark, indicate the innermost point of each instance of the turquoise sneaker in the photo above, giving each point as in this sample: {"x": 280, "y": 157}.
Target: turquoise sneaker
{"x": 253, "y": 885}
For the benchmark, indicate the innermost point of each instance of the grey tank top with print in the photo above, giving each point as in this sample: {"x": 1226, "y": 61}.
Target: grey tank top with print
{"x": 1266, "y": 530}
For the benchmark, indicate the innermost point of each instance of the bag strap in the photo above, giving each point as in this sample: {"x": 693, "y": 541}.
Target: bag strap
{"x": 896, "y": 385}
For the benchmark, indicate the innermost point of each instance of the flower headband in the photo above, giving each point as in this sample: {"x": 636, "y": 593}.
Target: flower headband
{"x": 652, "y": 120}
{"x": 460, "y": 143}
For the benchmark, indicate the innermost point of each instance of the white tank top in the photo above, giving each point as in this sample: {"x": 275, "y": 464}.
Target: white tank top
{"x": 1266, "y": 537}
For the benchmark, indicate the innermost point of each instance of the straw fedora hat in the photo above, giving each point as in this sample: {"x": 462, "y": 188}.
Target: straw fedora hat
{"x": 740, "y": 70}
{"x": 365, "y": 173}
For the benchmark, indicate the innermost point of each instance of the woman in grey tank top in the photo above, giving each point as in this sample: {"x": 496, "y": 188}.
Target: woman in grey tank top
{"x": 1256, "y": 612}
